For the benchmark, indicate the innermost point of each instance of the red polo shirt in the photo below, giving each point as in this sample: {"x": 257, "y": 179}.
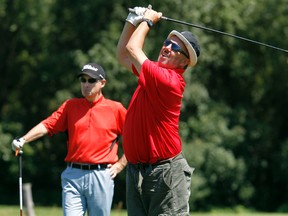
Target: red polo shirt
{"x": 151, "y": 130}
{"x": 92, "y": 127}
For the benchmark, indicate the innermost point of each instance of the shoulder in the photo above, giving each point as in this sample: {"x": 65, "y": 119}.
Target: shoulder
{"x": 114, "y": 104}
{"x": 72, "y": 102}
{"x": 116, "y": 107}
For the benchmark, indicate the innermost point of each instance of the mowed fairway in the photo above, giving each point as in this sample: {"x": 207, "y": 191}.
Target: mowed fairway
{"x": 56, "y": 211}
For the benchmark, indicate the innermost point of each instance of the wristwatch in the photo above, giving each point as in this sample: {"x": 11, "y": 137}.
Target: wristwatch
{"x": 149, "y": 22}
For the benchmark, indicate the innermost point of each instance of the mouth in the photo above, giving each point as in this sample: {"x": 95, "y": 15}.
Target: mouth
{"x": 165, "y": 54}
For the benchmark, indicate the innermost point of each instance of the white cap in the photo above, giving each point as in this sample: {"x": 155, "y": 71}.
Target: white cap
{"x": 189, "y": 40}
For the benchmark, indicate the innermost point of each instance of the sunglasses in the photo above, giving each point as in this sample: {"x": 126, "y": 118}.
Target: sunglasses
{"x": 175, "y": 47}
{"x": 90, "y": 80}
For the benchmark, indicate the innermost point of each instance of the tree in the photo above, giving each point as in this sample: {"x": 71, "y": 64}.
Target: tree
{"x": 233, "y": 121}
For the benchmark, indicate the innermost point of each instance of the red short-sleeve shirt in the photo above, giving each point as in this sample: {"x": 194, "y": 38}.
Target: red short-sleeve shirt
{"x": 92, "y": 127}
{"x": 151, "y": 131}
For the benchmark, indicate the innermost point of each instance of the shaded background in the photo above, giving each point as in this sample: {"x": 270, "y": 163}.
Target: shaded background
{"x": 234, "y": 114}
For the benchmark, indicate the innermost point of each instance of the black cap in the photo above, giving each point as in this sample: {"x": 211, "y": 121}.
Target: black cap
{"x": 93, "y": 70}
{"x": 193, "y": 41}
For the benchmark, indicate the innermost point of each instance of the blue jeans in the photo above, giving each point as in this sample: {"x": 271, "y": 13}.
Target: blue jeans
{"x": 159, "y": 190}
{"x": 86, "y": 190}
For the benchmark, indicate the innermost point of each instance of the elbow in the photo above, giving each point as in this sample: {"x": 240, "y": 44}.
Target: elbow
{"x": 130, "y": 50}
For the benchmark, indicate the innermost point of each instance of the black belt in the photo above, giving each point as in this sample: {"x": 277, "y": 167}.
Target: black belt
{"x": 141, "y": 166}
{"x": 87, "y": 166}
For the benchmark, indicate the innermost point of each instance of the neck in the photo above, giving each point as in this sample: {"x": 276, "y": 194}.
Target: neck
{"x": 93, "y": 98}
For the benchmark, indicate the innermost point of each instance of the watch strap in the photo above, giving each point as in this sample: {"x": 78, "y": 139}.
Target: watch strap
{"x": 148, "y": 21}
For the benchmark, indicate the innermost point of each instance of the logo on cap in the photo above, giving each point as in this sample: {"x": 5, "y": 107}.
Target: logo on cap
{"x": 89, "y": 67}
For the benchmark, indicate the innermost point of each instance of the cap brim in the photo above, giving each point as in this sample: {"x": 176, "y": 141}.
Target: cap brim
{"x": 86, "y": 72}
{"x": 192, "y": 53}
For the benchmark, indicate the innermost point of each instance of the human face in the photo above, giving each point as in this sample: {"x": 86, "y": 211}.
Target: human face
{"x": 90, "y": 87}
{"x": 172, "y": 54}
{"x": 175, "y": 47}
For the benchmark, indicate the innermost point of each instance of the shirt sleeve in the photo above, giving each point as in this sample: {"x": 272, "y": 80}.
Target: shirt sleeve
{"x": 57, "y": 121}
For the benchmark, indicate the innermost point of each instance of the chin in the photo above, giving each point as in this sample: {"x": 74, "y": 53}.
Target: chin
{"x": 164, "y": 64}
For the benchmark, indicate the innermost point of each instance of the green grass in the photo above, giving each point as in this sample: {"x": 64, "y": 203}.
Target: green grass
{"x": 44, "y": 211}
{"x": 56, "y": 211}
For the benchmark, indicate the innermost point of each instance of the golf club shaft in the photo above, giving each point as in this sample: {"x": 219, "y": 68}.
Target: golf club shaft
{"x": 219, "y": 32}
{"x": 20, "y": 152}
{"x": 224, "y": 33}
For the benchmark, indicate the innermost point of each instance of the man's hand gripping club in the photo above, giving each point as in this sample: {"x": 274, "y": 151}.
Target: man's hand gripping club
{"x": 17, "y": 144}
{"x": 136, "y": 15}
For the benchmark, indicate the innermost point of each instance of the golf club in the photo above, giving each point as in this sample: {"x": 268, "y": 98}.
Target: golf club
{"x": 219, "y": 32}
{"x": 19, "y": 153}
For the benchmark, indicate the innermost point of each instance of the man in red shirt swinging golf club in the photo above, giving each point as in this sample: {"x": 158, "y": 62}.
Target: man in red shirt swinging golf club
{"x": 158, "y": 176}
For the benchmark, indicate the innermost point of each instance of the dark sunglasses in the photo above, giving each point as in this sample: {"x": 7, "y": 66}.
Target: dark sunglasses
{"x": 90, "y": 80}
{"x": 175, "y": 47}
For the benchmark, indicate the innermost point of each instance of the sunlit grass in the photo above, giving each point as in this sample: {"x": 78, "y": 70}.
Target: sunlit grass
{"x": 57, "y": 211}
{"x": 45, "y": 211}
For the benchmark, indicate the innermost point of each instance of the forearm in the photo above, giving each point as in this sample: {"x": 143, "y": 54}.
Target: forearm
{"x": 121, "y": 53}
{"x": 135, "y": 45}
{"x": 123, "y": 161}
{"x": 35, "y": 133}
{"x": 118, "y": 166}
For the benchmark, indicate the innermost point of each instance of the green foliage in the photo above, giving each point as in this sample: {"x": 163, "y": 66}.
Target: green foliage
{"x": 234, "y": 114}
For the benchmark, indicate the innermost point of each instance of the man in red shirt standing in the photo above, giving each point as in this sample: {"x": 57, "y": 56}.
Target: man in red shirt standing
{"x": 93, "y": 124}
{"x": 158, "y": 176}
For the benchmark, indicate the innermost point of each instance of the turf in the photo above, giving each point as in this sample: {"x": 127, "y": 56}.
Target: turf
{"x": 56, "y": 211}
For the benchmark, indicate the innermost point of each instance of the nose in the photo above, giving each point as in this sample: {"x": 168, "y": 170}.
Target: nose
{"x": 167, "y": 48}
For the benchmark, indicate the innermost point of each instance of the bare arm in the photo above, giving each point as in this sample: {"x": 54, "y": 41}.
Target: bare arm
{"x": 130, "y": 45}
{"x": 135, "y": 45}
{"x": 121, "y": 53}
{"x": 35, "y": 133}
{"x": 118, "y": 166}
